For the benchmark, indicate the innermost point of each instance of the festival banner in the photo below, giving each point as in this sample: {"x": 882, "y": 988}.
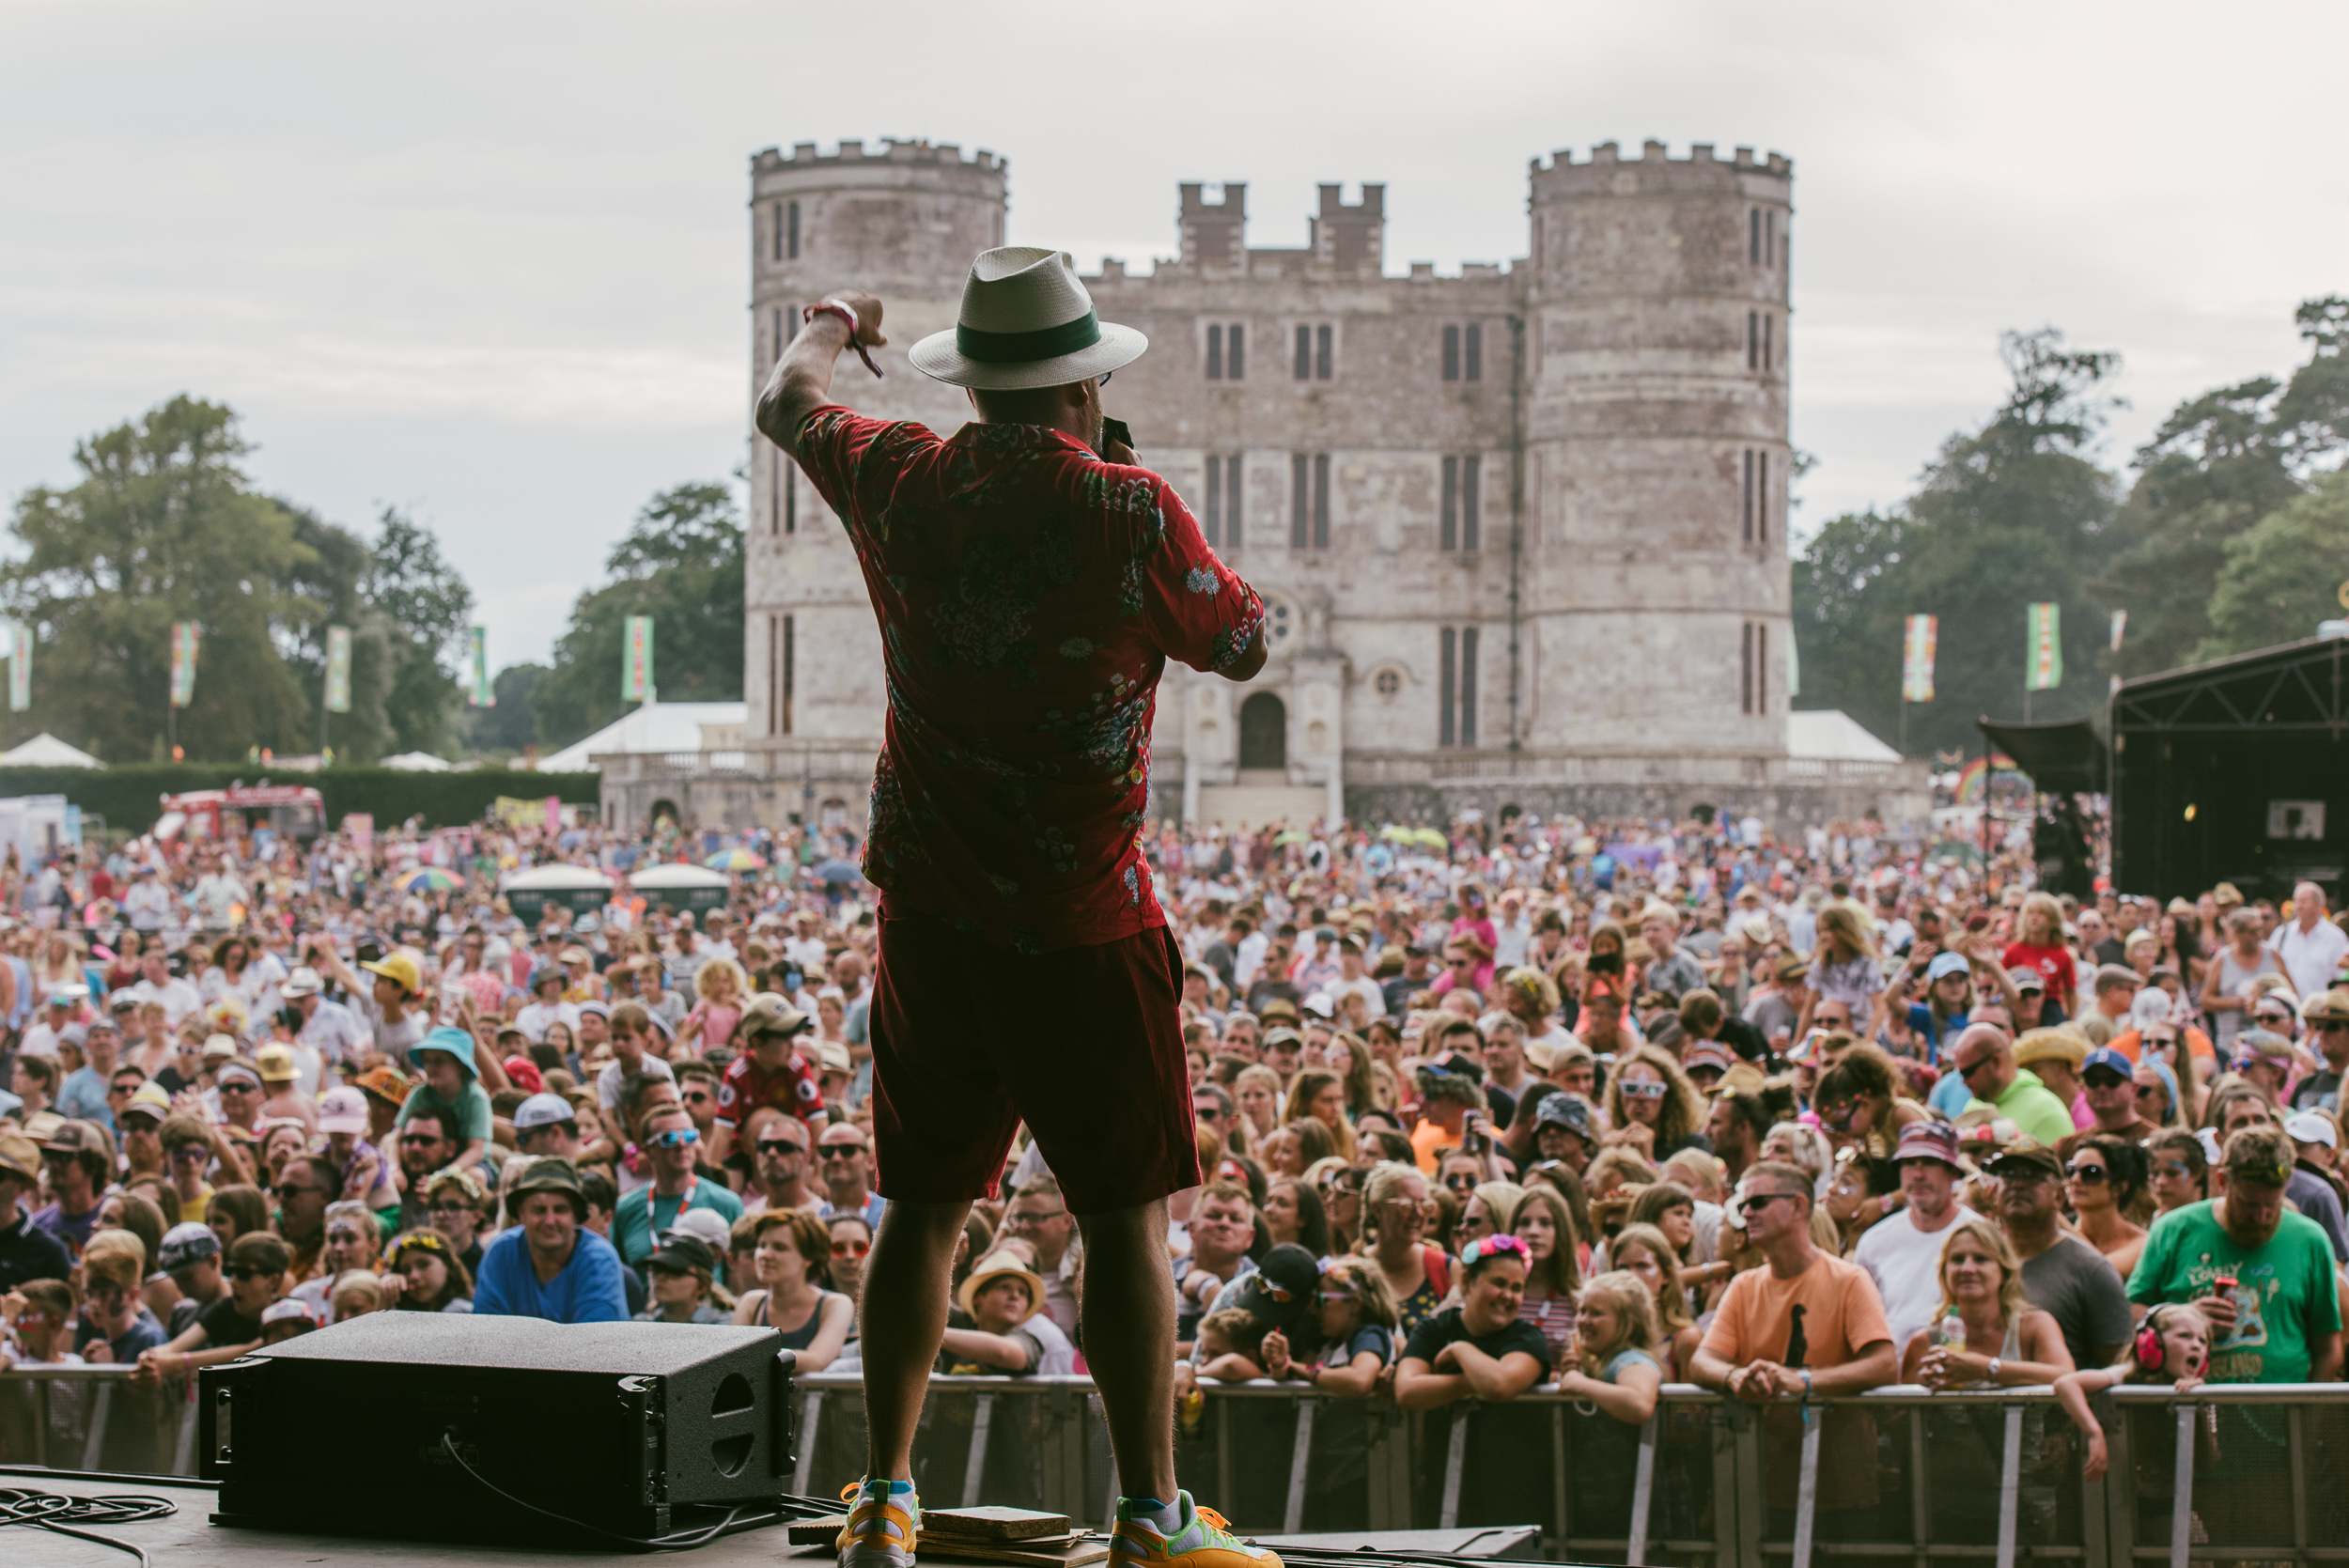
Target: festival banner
{"x": 636, "y": 661}
{"x": 480, "y": 693}
{"x": 183, "y": 640}
{"x": 1923, "y": 632}
{"x": 19, "y": 666}
{"x": 2042, "y": 656}
{"x": 338, "y": 669}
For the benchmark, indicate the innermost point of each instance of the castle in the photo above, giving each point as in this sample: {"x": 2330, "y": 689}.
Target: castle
{"x": 1522, "y": 533}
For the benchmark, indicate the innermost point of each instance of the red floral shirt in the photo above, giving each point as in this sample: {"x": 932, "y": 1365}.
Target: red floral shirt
{"x": 1029, "y": 595}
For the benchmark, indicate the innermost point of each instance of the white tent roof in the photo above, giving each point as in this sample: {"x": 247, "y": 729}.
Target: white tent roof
{"x": 46, "y": 751}
{"x": 417, "y": 762}
{"x": 1833, "y": 736}
{"x": 651, "y": 729}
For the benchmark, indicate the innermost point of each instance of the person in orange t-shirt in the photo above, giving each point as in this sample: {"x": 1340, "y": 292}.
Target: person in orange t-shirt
{"x": 1806, "y": 1324}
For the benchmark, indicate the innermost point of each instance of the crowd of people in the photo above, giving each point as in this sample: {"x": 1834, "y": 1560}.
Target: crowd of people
{"x": 1599, "y": 1105}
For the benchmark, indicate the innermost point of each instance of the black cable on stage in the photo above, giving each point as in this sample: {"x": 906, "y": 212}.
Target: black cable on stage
{"x": 70, "y": 1515}
{"x": 681, "y": 1540}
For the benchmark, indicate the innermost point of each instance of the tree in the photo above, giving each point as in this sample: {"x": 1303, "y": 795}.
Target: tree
{"x": 2216, "y": 466}
{"x": 511, "y": 725}
{"x": 681, "y": 564}
{"x": 163, "y": 526}
{"x": 428, "y": 608}
{"x": 2283, "y": 575}
{"x": 2009, "y": 516}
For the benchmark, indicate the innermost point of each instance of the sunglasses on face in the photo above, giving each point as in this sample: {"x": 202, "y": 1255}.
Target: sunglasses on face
{"x": 1966, "y": 1073}
{"x": 780, "y": 1146}
{"x": 287, "y": 1191}
{"x": 843, "y": 1152}
{"x": 2087, "y": 1176}
{"x": 243, "y": 1272}
{"x": 1641, "y": 1089}
{"x": 676, "y": 1138}
{"x": 850, "y": 1248}
{"x": 1758, "y": 1201}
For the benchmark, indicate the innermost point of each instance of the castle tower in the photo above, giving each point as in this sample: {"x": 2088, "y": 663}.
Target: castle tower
{"x": 903, "y": 222}
{"x": 1656, "y": 426}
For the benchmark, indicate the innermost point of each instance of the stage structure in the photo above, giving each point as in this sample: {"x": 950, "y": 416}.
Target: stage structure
{"x": 2237, "y": 771}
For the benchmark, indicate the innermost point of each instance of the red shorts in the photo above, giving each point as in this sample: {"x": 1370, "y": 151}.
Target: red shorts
{"x": 1083, "y": 1043}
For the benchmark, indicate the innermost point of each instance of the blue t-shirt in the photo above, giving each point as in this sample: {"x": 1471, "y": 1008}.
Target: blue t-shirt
{"x": 145, "y": 1333}
{"x": 641, "y": 1217}
{"x": 84, "y": 1095}
{"x": 588, "y": 1290}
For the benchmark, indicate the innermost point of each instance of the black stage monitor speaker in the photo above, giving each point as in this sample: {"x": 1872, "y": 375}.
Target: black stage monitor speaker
{"x": 413, "y": 1423}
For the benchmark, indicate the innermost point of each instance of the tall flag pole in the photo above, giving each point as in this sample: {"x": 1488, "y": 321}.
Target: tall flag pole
{"x": 636, "y": 677}
{"x": 480, "y": 693}
{"x": 184, "y": 636}
{"x": 1923, "y": 633}
{"x": 2043, "y": 661}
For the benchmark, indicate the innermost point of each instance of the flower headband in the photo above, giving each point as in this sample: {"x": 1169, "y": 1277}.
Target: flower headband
{"x": 1495, "y": 1245}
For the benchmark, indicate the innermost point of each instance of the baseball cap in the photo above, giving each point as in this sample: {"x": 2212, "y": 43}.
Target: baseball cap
{"x": 524, "y": 1075}
{"x": 681, "y": 1250}
{"x": 1705, "y": 1053}
{"x": 1928, "y": 1141}
{"x": 1281, "y": 1038}
{"x": 1320, "y": 1006}
{"x": 2109, "y": 1059}
{"x": 149, "y": 1100}
{"x": 542, "y": 1110}
{"x": 189, "y": 1243}
{"x": 123, "y": 1002}
{"x": 1283, "y": 1286}
{"x": 275, "y": 1064}
{"x": 2311, "y": 1126}
{"x": 1947, "y": 963}
{"x": 600, "y": 1009}
{"x": 1278, "y": 1007}
{"x": 288, "y": 1310}
{"x": 551, "y": 1174}
{"x": 73, "y": 1035}
{"x": 75, "y": 1136}
{"x": 343, "y": 1110}
{"x": 220, "y": 1048}
{"x": 708, "y": 1226}
{"x": 2028, "y": 979}
{"x": 2023, "y": 1154}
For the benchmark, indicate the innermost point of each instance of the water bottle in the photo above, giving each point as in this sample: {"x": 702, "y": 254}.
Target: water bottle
{"x": 1952, "y": 1334}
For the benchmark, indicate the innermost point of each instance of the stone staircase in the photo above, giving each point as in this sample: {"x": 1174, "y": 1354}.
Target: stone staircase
{"x": 1255, "y": 805}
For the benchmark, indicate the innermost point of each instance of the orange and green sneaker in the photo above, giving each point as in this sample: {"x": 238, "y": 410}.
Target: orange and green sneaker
{"x": 1202, "y": 1540}
{"x": 884, "y": 1517}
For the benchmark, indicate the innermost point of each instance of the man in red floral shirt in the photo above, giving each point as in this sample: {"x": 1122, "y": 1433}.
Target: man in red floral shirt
{"x": 1031, "y": 581}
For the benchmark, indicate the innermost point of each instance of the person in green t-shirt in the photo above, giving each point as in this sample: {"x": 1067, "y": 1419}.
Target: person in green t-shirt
{"x": 1983, "y": 1061}
{"x": 2280, "y": 1319}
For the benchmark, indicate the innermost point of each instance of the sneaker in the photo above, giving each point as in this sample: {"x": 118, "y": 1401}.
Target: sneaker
{"x": 882, "y": 1526}
{"x": 1204, "y": 1541}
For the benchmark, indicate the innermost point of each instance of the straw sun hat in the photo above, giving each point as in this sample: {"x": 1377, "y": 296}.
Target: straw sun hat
{"x": 1026, "y": 322}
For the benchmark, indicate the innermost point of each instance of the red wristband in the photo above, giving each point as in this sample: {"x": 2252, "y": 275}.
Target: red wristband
{"x": 833, "y": 307}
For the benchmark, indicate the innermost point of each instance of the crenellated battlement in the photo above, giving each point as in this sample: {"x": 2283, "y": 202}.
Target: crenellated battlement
{"x": 1656, "y": 168}
{"x": 852, "y": 153}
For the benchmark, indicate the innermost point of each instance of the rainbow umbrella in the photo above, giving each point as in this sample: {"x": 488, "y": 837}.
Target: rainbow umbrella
{"x": 428, "y": 878}
{"x": 737, "y": 859}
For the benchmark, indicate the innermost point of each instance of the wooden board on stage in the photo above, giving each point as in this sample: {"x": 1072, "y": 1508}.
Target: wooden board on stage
{"x": 1061, "y": 1548}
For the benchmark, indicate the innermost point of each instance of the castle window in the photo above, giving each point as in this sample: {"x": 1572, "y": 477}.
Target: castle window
{"x": 1304, "y": 353}
{"x": 1226, "y": 352}
{"x": 1221, "y": 525}
{"x": 785, "y": 518}
{"x": 1753, "y": 667}
{"x": 1321, "y": 353}
{"x": 1309, "y": 501}
{"x": 780, "y": 675}
{"x": 1767, "y": 323}
{"x": 1462, "y": 521}
{"x": 1753, "y": 340}
{"x": 1762, "y": 498}
{"x": 1472, "y": 356}
{"x": 1452, "y": 353}
{"x": 1386, "y": 683}
{"x": 1455, "y": 695}
{"x": 1748, "y": 531}
{"x": 792, "y": 224}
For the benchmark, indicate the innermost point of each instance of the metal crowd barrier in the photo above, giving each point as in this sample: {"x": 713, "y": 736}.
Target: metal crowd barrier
{"x": 1897, "y": 1476}
{"x": 94, "y": 1417}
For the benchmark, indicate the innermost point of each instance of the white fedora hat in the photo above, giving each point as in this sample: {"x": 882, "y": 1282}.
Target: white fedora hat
{"x": 1026, "y": 322}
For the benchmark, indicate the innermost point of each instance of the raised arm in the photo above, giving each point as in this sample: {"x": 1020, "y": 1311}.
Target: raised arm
{"x": 801, "y": 383}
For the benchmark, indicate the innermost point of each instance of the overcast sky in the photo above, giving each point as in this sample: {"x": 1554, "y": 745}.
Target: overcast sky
{"x": 487, "y": 260}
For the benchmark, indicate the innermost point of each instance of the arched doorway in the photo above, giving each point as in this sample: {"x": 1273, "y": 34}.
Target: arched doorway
{"x": 1264, "y": 731}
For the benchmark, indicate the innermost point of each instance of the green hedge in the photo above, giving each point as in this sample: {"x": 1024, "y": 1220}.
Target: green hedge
{"x": 130, "y": 797}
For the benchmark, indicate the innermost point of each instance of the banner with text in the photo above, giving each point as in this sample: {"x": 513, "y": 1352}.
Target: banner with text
{"x": 636, "y": 661}
{"x": 20, "y": 638}
{"x": 183, "y": 640}
{"x": 338, "y": 669}
{"x": 479, "y": 693}
{"x": 2042, "y": 665}
{"x": 1923, "y": 632}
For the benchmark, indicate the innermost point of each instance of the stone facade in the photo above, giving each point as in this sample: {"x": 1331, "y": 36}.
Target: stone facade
{"x": 1520, "y": 531}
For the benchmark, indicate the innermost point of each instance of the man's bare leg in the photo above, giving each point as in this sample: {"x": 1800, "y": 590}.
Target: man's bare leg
{"x": 1129, "y": 1342}
{"x": 908, "y": 1280}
